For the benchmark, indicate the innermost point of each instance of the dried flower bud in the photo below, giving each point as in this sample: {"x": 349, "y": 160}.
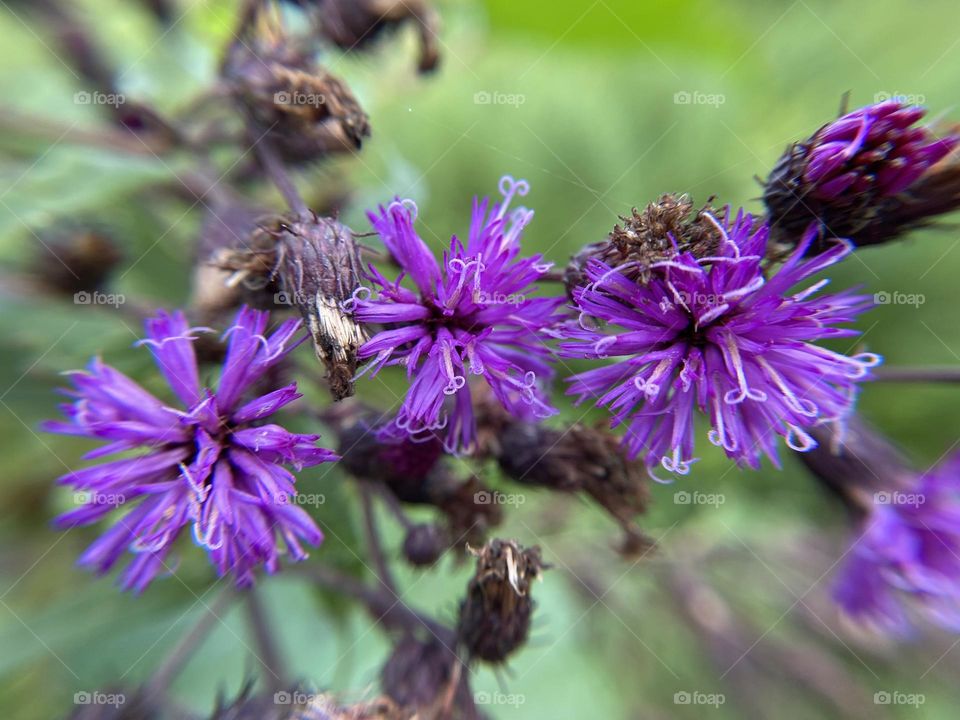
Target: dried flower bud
{"x": 496, "y": 613}
{"x": 424, "y": 676}
{"x": 353, "y": 24}
{"x": 579, "y": 459}
{"x": 319, "y": 270}
{"x": 849, "y": 176}
{"x": 229, "y": 271}
{"x": 74, "y": 258}
{"x": 658, "y": 233}
{"x": 301, "y": 704}
{"x": 424, "y": 544}
{"x": 306, "y": 111}
{"x": 309, "y": 262}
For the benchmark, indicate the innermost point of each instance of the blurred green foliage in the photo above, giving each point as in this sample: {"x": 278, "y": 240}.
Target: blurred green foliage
{"x": 595, "y": 126}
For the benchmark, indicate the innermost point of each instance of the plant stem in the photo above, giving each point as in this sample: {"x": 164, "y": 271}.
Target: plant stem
{"x": 931, "y": 374}
{"x": 268, "y": 651}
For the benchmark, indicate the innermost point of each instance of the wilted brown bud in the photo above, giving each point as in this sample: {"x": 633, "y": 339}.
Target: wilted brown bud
{"x": 577, "y": 459}
{"x": 424, "y": 544}
{"x": 305, "y": 111}
{"x": 353, "y": 24}
{"x": 229, "y": 271}
{"x": 308, "y": 262}
{"x": 301, "y": 704}
{"x": 496, "y": 613}
{"x": 318, "y": 271}
{"x": 647, "y": 237}
{"x": 71, "y": 259}
{"x": 425, "y": 676}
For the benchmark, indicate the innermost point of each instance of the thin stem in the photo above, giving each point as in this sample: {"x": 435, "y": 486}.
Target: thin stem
{"x": 384, "y": 608}
{"x": 268, "y": 652}
{"x": 931, "y": 374}
{"x": 395, "y": 507}
{"x": 278, "y": 174}
{"x": 374, "y": 542}
{"x": 184, "y": 650}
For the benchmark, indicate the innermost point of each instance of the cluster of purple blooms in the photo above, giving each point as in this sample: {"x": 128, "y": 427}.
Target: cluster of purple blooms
{"x": 726, "y": 333}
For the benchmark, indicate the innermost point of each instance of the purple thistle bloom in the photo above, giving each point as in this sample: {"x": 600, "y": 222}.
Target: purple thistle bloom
{"x": 215, "y": 465}
{"x": 874, "y": 149}
{"x": 846, "y": 176}
{"x": 469, "y": 314}
{"x": 716, "y": 333}
{"x": 909, "y": 548}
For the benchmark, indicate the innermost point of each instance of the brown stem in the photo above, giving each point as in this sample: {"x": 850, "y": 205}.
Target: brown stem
{"x": 931, "y": 374}
{"x": 374, "y": 543}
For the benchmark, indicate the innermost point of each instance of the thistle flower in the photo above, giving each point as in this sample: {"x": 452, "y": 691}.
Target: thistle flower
{"x": 845, "y": 177}
{"x": 214, "y": 465}
{"x": 909, "y": 550}
{"x": 470, "y": 314}
{"x": 714, "y": 332}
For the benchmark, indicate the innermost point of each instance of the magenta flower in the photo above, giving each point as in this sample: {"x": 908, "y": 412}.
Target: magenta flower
{"x": 470, "y": 314}
{"x": 720, "y": 334}
{"x": 908, "y": 555}
{"x": 215, "y": 465}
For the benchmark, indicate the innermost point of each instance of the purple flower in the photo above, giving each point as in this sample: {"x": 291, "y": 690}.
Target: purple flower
{"x": 846, "y": 176}
{"x": 722, "y": 334}
{"x": 469, "y": 314}
{"x": 875, "y": 149}
{"x": 909, "y": 548}
{"x": 216, "y": 465}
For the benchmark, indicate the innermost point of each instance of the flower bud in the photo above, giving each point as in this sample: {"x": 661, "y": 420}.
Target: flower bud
{"x": 424, "y": 544}
{"x": 418, "y": 676}
{"x": 854, "y": 177}
{"x": 72, "y": 258}
{"x": 496, "y": 613}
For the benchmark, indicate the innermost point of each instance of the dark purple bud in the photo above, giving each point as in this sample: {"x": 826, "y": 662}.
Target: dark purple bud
{"x": 424, "y": 544}
{"x": 855, "y": 177}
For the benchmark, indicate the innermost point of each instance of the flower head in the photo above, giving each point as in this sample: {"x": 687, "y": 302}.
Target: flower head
{"x": 909, "y": 549}
{"x": 714, "y": 332}
{"x": 841, "y": 176}
{"x": 214, "y": 465}
{"x": 469, "y": 314}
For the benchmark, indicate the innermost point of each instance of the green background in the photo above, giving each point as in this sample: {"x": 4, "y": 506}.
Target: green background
{"x": 598, "y": 132}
